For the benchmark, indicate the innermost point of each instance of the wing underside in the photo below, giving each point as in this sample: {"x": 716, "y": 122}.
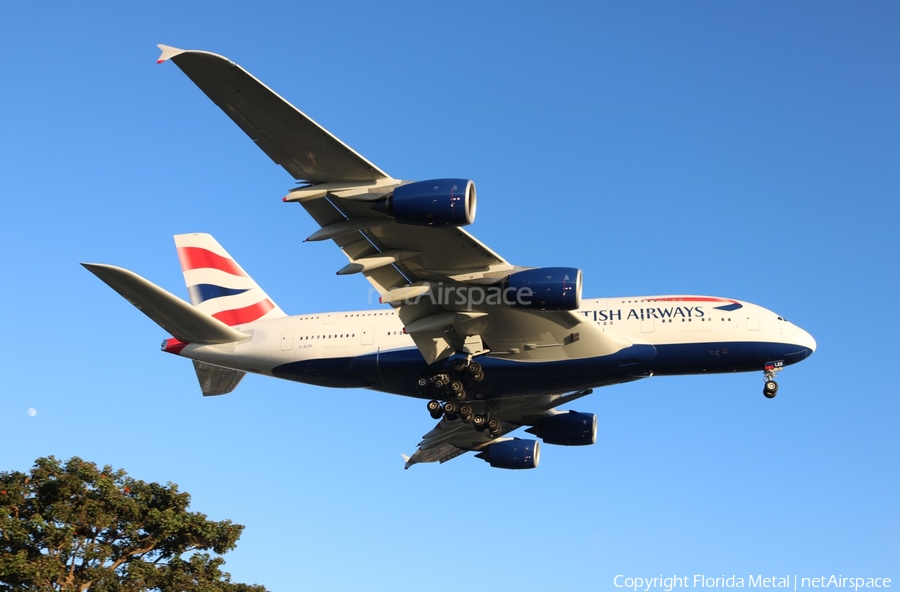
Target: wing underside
{"x": 450, "y": 439}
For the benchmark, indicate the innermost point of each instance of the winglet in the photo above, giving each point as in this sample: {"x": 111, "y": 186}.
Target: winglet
{"x": 168, "y": 52}
{"x": 406, "y": 461}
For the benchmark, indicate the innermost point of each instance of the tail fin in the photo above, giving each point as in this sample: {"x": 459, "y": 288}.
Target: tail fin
{"x": 219, "y": 286}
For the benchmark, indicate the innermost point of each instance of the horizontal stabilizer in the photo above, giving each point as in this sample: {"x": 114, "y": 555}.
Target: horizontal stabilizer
{"x": 215, "y": 380}
{"x": 180, "y": 319}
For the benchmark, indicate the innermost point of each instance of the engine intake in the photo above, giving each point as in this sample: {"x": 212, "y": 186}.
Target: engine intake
{"x": 567, "y": 429}
{"x": 439, "y": 202}
{"x": 546, "y": 288}
{"x": 512, "y": 454}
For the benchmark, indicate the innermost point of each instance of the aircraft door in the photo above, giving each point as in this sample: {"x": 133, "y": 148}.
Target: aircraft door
{"x": 287, "y": 341}
{"x": 752, "y": 321}
{"x": 368, "y": 335}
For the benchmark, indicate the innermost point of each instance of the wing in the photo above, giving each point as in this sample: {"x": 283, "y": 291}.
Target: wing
{"x": 290, "y": 138}
{"x": 417, "y": 269}
{"x": 450, "y": 439}
{"x": 342, "y": 184}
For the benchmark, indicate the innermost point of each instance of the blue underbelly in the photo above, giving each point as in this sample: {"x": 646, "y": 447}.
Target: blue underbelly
{"x": 396, "y": 371}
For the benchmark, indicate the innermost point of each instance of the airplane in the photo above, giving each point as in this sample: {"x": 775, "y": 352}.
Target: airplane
{"x": 492, "y": 347}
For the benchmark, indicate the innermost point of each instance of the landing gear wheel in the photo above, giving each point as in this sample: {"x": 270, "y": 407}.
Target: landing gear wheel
{"x": 479, "y": 422}
{"x": 457, "y": 390}
{"x": 770, "y": 389}
{"x": 458, "y": 365}
{"x": 493, "y": 425}
{"x": 436, "y": 414}
{"x": 465, "y": 413}
{"x": 478, "y": 377}
{"x": 450, "y": 408}
{"x": 423, "y": 383}
{"x": 474, "y": 368}
{"x": 434, "y": 405}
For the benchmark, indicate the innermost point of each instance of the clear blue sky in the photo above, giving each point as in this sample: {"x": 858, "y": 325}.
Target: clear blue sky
{"x": 748, "y": 150}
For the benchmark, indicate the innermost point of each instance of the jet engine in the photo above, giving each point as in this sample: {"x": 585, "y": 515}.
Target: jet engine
{"x": 567, "y": 429}
{"x": 512, "y": 454}
{"x": 439, "y": 202}
{"x": 545, "y": 288}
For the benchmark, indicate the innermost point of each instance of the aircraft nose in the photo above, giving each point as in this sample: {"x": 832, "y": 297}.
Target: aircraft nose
{"x": 806, "y": 340}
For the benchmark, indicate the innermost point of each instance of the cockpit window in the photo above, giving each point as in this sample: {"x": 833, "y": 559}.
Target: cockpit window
{"x": 781, "y": 319}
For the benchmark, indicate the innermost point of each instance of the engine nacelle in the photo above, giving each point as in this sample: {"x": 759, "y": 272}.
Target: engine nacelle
{"x": 512, "y": 454}
{"x": 545, "y": 288}
{"x": 439, "y": 202}
{"x": 567, "y": 429}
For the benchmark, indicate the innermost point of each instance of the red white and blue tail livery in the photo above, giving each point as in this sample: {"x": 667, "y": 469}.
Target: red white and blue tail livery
{"x": 491, "y": 347}
{"x": 219, "y": 286}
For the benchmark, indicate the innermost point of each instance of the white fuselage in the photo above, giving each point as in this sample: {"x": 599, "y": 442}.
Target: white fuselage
{"x": 685, "y": 335}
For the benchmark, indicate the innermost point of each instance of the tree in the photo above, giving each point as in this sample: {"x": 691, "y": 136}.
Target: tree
{"x": 75, "y": 527}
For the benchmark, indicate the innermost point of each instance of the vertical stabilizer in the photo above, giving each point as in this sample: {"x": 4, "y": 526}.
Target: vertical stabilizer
{"x": 219, "y": 286}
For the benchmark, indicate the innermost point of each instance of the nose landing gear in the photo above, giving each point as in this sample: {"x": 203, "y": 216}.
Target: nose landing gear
{"x": 770, "y": 389}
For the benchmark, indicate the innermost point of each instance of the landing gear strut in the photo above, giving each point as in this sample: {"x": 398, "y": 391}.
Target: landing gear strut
{"x": 770, "y": 389}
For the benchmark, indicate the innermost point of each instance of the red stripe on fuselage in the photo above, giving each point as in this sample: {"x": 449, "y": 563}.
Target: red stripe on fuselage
{"x": 690, "y": 299}
{"x": 239, "y": 316}
{"x": 197, "y": 258}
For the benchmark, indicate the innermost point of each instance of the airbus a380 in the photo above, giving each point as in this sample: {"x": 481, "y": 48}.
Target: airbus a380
{"x": 490, "y": 346}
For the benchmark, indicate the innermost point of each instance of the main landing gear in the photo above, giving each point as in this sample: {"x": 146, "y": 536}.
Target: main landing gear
{"x": 455, "y": 395}
{"x": 770, "y": 389}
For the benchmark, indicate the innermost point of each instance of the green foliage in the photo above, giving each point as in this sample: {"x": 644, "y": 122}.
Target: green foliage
{"x": 75, "y": 527}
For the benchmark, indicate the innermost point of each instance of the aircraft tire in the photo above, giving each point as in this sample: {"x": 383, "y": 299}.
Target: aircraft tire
{"x": 479, "y": 422}
{"x": 770, "y": 389}
{"x": 458, "y": 390}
